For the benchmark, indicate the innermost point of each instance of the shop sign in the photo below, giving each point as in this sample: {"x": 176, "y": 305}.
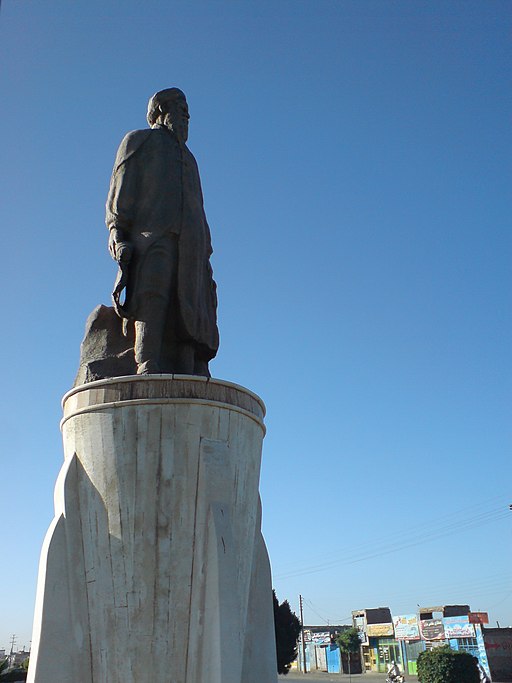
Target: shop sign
{"x": 319, "y": 638}
{"x": 406, "y": 627}
{"x": 499, "y": 644}
{"x": 458, "y": 627}
{"x": 478, "y": 618}
{"x": 482, "y": 653}
{"x": 432, "y": 629}
{"x": 377, "y": 630}
{"x": 362, "y": 635}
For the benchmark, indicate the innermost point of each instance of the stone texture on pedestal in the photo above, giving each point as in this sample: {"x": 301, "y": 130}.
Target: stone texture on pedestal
{"x": 154, "y": 568}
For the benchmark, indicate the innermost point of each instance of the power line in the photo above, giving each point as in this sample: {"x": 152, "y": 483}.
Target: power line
{"x": 437, "y": 592}
{"x": 457, "y": 516}
{"x": 501, "y": 600}
{"x": 410, "y": 539}
{"x": 308, "y": 603}
{"x": 455, "y": 519}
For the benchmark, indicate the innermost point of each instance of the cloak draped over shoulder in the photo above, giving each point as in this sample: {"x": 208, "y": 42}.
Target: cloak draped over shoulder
{"x": 155, "y": 191}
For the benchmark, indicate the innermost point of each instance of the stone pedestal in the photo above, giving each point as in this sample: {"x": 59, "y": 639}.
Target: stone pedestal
{"x": 154, "y": 569}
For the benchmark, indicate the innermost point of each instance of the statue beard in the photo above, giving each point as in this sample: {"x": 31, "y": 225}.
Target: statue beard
{"x": 179, "y": 129}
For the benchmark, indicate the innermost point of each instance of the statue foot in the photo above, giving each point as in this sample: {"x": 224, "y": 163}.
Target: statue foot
{"x": 149, "y": 367}
{"x": 201, "y": 368}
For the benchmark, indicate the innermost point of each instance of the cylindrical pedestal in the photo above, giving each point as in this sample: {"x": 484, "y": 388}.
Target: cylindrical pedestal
{"x": 154, "y": 568}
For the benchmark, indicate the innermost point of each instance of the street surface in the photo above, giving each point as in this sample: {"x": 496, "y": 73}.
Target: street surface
{"x": 317, "y": 676}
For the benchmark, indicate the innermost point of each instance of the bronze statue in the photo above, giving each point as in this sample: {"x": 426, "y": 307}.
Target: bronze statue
{"x": 160, "y": 237}
{"x": 161, "y": 240}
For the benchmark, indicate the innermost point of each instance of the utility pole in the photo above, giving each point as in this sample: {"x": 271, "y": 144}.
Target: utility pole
{"x": 304, "y": 670}
{"x": 11, "y": 655}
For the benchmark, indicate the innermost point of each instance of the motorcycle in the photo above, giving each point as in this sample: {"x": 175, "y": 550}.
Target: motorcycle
{"x": 395, "y": 678}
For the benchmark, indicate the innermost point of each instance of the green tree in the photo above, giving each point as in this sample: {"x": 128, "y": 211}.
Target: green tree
{"x": 349, "y": 643}
{"x": 287, "y": 629}
{"x": 13, "y": 675}
{"x": 443, "y": 665}
{"x": 7, "y": 674}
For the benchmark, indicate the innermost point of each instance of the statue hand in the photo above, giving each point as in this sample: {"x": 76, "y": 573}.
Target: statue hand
{"x": 120, "y": 249}
{"x": 123, "y": 252}
{"x": 112, "y": 243}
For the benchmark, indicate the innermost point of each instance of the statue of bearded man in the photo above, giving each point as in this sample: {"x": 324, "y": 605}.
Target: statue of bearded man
{"x": 161, "y": 240}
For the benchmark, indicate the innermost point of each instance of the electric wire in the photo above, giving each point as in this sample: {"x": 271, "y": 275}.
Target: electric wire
{"x": 310, "y": 606}
{"x": 499, "y": 502}
{"x": 410, "y": 539}
{"x": 430, "y": 530}
{"x": 413, "y": 535}
{"x": 437, "y": 595}
{"x": 436, "y": 599}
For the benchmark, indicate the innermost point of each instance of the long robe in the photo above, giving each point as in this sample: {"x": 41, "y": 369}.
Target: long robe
{"x": 155, "y": 191}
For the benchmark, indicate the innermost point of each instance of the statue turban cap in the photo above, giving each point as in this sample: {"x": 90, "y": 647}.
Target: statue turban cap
{"x": 158, "y": 99}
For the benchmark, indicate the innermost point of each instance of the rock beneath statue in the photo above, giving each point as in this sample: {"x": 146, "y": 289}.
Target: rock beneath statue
{"x": 107, "y": 349}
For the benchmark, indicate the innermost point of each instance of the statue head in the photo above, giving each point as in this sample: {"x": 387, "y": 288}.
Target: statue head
{"x": 169, "y": 108}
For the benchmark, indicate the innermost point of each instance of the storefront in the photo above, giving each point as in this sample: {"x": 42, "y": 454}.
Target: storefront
{"x": 407, "y": 632}
{"x": 412, "y": 650}
{"x": 378, "y": 645}
{"x": 401, "y": 639}
{"x": 498, "y": 644}
{"x": 384, "y": 651}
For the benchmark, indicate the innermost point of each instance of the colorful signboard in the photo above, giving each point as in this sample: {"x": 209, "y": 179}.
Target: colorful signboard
{"x": 458, "y": 627}
{"x": 319, "y": 638}
{"x": 406, "y": 627}
{"x": 362, "y": 635}
{"x": 378, "y": 630}
{"x": 478, "y": 618}
{"x": 432, "y": 629}
{"x": 482, "y": 653}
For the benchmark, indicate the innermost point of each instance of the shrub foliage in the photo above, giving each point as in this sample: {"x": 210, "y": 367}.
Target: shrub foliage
{"x": 442, "y": 665}
{"x": 348, "y": 640}
{"x": 11, "y": 674}
{"x": 288, "y": 629}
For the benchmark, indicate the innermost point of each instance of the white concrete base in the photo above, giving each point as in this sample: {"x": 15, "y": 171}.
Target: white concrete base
{"x": 154, "y": 569}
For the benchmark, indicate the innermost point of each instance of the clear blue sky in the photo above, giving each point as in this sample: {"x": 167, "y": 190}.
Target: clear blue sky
{"x": 355, "y": 160}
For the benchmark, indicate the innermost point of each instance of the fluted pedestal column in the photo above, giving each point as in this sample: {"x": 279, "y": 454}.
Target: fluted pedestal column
{"x": 154, "y": 568}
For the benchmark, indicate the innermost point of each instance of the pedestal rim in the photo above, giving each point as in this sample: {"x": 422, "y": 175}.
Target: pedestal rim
{"x": 161, "y": 377}
{"x": 162, "y": 402}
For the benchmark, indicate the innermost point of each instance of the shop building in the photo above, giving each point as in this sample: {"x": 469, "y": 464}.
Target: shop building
{"x": 379, "y": 646}
{"x": 498, "y": 646}
{"x": 401, "y": 639}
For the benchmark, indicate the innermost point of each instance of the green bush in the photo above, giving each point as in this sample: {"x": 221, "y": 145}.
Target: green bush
{"x": 287, "y": 629}
{"x": 348, "y": 640}
{"x": 14, "y": 675}
{"x": 6, "y": 674}
{"x": 442, "y": 665}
